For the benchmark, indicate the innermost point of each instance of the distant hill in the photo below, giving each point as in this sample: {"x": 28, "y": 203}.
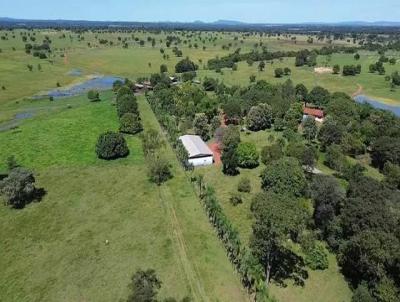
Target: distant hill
{"x": 5, "y": 21}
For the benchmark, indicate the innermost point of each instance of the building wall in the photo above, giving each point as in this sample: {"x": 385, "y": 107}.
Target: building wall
{"x": 202, "y": 161}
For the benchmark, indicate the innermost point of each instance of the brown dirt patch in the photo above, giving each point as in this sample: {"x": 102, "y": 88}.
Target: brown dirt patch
{"x": 217, "y": 153}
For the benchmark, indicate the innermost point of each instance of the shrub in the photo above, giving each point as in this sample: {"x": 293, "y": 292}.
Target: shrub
{"x": 244, "y": 185}
{"x": 127, "y": 104}
{"x": 18, "y": 187}
{"x": 235, "y": 199}
{"x": 159, "y": 169}
{"x": 271, "y": 153}
{"x": 279, "y": 72}
{"x": 130, "y": 123}
{"x": 185, "y": 65}
{"x": 93, "y": 95}
{"x": 111, "y": 145}
{"x": 247, "y": 155}
{"x": 317, "y": 258}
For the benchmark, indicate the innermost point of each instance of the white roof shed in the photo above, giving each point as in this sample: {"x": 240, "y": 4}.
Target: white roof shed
{"x": 195, "y": 146}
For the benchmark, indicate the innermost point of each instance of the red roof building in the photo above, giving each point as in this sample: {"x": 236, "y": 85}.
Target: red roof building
{"x": 318, "y": 113}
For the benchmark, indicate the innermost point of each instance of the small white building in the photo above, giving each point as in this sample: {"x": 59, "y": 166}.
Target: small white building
{"x": 199, "y": 153}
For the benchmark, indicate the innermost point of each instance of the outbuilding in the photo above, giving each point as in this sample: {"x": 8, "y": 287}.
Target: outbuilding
{"x": 316, "y": 113}
{"x": 199, "y": 153}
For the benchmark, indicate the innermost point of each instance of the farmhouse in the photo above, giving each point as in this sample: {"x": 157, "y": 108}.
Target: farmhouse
{"x": 318, "y": 114}
{"x": 199, "y": 153}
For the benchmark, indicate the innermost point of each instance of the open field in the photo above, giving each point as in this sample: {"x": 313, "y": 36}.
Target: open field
{"x": 62, "y": 239}
{"x": 71, "y": 53}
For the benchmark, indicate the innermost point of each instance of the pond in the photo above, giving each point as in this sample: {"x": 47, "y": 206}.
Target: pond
{"x": 15, "y": 122}
{"x": 99, "y": 83}
{"x": 377, "y": 104}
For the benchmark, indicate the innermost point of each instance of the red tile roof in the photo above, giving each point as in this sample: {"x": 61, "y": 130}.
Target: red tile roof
{"x": 313, "y": 112}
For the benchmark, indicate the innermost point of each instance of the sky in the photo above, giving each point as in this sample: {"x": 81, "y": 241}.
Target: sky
{"x": 253, "y": 11}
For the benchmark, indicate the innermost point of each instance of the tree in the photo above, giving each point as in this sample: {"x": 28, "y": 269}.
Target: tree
{"x": 287, "y": 71}
{"x": 163, "y": 68}
{"x": 392, "y": 175}
{"x": 385, "y": 149}
{"x": 284, "y": 176}
{"x": 361, "y": 294}
{"x": 336, "y": 69}
{"x": 261, "y": 66}
{"x": 185, "y": 65}
{"x": 335, "y": 158}
{"x": 278, "y": 72}
{"x": 230, "y": 137}
{"x": 18, "y": 187}
{"x": 232, "y": 112}
{"x": 144, "y": 286}
{"x": 277, "y": 219}
{"x": 327, "y": 196}
{"x": 130, "y": 123}
{"x": 310, "y": 128}
{"x": 159, "y": 169}
{"x": 152, "y": 141}
{"x": 396, "y": 78}
{"x": 127, "y": 104}
{"x": 294, "y": 116}
{"x": 111, "y": 145}
{"x": 252, "y": 78}
{"x": 230, "y": 161}
{"x": 330, "y": 133}
{"x": 319, "y": 96}
{"x": 357, "y": 56}
{"x": 301, "y": 92}
{"x": 308, "y": 158}
{"x": 259, "y": 117}
{"x": 247, "y": 155}
{"x": 271, "y": 153}
{"x": 201, "y": 126}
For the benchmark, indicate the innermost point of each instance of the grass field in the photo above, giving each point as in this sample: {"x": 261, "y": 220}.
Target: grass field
{"x": 72, "y": 53}
{"x": 55, "y": 250}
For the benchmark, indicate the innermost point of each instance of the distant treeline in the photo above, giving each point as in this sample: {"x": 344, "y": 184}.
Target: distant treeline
{"x": 303, "y": 57}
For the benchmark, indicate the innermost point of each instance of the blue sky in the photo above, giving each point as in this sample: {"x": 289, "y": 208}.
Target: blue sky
{"x": 267, "y": 11}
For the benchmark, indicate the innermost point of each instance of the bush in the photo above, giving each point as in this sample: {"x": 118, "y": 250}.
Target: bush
{"x": 247, "y": 155}
{"x": 130, "y": 123}
{"x": 244, "y": 185}
{"x": 317, "y": 258}
{"x": 111, "y": 145}
{"x": 93, "y": 95}
{"x": 235, "y": 199}
{"x": 18, "y": 187}
{"x": 185, "y": 65}
{"x": 159, "y": 169}
{"x": 271, "y": 153}
{"x": 126, "y": 104}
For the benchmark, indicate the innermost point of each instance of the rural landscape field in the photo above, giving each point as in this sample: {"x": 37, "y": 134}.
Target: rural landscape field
{"x": 199, "y": 161}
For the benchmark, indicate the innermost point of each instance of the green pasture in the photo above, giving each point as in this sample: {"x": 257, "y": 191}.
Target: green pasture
{"x": 56, "y": 250}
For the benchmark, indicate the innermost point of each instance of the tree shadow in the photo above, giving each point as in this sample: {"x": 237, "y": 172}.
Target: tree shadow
{"x": 290, "y": 266}
{"x": 36, "y": 197}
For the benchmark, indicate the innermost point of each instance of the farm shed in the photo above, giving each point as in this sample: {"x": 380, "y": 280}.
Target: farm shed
{"x": 318, "y": 114}
{"x": 199, "y": 153}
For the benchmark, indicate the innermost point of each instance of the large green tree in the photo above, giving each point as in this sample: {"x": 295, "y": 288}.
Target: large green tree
{"x": 284, "y": 176}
